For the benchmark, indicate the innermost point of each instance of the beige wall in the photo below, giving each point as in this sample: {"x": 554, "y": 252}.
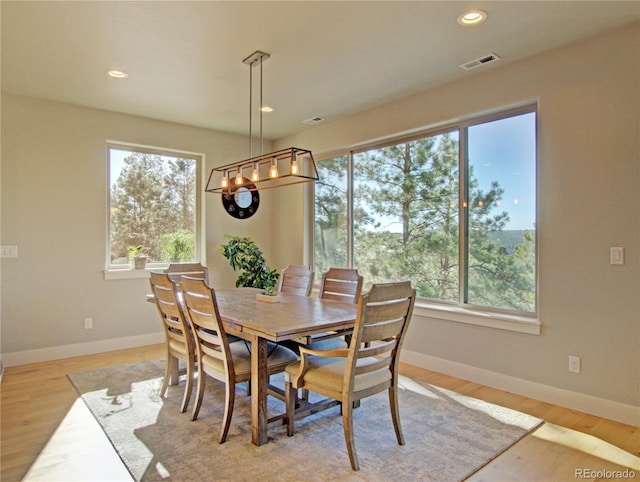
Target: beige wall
{"x": 589, "y": 197}
{"x": 54, "y": 197}
{"x": 54, "y": 194}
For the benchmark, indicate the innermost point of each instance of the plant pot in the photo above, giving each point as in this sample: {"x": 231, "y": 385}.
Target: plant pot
{"x": 268, "y": 298}
{"x": 139, "y": 262}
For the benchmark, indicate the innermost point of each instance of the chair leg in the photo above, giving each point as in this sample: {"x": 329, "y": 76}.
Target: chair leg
{"x": 395, "y": 413}
{"x": 167, "y": 374}
{"x": 230, "y": 397}
{"x": 347, "y": 423}
{"x": 188, "y": 386}
{"x": 173, "y": 369}
{"x": 291, "y": 395}
{"x": 199, "y": 393}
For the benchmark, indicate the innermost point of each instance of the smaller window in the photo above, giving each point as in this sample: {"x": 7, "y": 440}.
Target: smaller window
{"x": 153, "y": 203}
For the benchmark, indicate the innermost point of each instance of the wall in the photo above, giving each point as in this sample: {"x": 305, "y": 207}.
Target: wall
{"x": 54, "y": 197}
{"x": 588, "y": 176}
{"x": 53, "y": 208}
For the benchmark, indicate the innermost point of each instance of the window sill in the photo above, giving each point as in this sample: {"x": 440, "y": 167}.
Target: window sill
{"x": 520, "y": 324}
{"x": 111, "y": 274}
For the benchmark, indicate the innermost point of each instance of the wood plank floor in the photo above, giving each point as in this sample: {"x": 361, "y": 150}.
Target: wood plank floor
{"x": 37, "y": 398}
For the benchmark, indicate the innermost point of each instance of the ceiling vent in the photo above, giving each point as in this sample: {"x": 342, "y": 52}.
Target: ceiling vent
{"x": 485, "y": 59}
{"x": 313, "y": 120}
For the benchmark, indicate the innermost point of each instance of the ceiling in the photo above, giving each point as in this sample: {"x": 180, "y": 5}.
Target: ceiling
{"x": 328, "y": 59}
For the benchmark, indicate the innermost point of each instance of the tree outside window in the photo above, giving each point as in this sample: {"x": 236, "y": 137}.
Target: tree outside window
{"x": 414, "y": 201}
{"x": 153, "y": 203}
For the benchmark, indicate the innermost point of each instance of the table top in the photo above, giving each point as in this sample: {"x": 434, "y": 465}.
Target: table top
{"x": 292, "y": 317}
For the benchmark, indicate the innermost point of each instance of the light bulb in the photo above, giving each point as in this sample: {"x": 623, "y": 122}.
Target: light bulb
{"x": 273, "y": 171}
{"x": 294, "y": 167}
{"x": 225, "y": 181}
{"x": 255, "y": 177}
{"x": 239, "y": 178}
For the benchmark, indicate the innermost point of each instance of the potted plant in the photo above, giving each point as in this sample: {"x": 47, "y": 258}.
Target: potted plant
{"x": 138, "y": 258}
{"x": 245, "y": 256}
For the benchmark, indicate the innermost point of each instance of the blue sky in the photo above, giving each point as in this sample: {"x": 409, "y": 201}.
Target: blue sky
{"x": 504, "y": 151}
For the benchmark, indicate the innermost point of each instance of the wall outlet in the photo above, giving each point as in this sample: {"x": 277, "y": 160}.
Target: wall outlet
{"x": 574, "y": 364}
{"x": 88, "y": 323}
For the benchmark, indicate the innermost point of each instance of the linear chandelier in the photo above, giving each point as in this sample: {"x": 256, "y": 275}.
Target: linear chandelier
{"x": 276, "y": 169}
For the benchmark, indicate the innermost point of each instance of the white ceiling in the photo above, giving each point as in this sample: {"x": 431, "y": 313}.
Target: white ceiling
{"x": 328, "y": 59}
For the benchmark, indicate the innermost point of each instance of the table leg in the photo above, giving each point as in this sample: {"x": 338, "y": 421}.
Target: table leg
{"x": 258, "y": 390}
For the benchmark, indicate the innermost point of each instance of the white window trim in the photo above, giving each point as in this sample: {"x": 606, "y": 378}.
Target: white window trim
{"x": 459, "y": 314}
{"x": 520, "y": 324}
{"x": 118, "y": 272}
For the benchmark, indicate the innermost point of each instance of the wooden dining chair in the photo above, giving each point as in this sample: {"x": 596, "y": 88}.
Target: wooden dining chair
{"x": 216, "y": 356}
{"x": 179, "y": 341}
{"x": 194, "y": 270}
{"x": 350, "y": 374}
{"x": 296, "y": 280}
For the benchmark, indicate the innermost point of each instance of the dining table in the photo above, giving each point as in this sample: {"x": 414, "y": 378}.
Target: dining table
{"x": 292, "y": 317}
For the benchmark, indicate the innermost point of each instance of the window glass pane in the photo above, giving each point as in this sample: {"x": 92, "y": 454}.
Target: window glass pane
{"x": 502, "y": 214}
{"x": 406, "y": 215}
{"x": 331, "y": 215}
{"x": 152, "y": 204}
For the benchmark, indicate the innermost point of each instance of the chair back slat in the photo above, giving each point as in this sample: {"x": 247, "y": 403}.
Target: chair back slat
{"x": 194, "y": 270}
{"x": 341, "y": 284}
{"x": 296, "y": 280}
{"x": 382, "y": 330}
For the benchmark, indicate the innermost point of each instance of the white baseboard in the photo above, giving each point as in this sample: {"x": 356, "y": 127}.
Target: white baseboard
{"x": 599, "y": 407}
{"x": 78, "y": 349}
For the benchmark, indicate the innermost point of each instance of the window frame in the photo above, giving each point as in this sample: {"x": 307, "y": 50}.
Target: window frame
{"x": 122, "y": 271}
{"x": 460, "y": 310}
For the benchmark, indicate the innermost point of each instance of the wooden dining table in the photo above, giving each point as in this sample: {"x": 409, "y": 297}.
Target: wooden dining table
{"x": 293, "y": 317}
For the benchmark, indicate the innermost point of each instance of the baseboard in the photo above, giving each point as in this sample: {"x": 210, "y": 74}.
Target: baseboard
{"x": 78, "y": 349}
{"x": 599, "y": 407}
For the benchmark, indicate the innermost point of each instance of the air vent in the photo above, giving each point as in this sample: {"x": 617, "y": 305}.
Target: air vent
{"x": 313, "y": 120}
{"x": 485, "y": 59}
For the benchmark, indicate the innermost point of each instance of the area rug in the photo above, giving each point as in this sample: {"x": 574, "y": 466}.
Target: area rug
{"x": 448, "y": 436}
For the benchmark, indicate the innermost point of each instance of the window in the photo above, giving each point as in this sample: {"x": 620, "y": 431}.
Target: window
{"x": 453, "y": 210}
{"x": 154, "y": 203}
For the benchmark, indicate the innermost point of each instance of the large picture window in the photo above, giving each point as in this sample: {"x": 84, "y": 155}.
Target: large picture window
{"x": 453, "y": 210}
{"x": 153, "y": 203}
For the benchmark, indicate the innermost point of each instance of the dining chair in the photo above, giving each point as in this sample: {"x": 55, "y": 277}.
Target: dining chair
{"x": 296, "y": 280}
{"x": 216, "y": 356}
{"x": 194, "y": 270}
{"x": 339, "y": 284}
{"x": 180, "y": 344}
{"x": 351, "y": 374}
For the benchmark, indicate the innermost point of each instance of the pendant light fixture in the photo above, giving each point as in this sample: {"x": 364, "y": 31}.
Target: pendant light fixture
{"x": 265, "y": 171}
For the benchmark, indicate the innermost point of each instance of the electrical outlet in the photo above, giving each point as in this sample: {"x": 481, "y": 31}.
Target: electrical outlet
{"x": 88, "y": 323}
{"x": 574, "y": 364}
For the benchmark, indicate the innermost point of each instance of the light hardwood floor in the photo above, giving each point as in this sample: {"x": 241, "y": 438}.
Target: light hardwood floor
{"x": 37, "y": 398}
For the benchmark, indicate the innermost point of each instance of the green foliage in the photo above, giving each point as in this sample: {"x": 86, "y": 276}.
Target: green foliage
{"x": 406, "y": 225}
{"x": 177, "y": 247}
{"x": 135, "y": 250}
{"x": 244, "y": 255}
{"x": 151, "y": 198}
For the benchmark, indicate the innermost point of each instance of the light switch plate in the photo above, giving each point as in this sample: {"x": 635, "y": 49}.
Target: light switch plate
{"x": 9, "y": 251}
{"x": 617, "y": 255}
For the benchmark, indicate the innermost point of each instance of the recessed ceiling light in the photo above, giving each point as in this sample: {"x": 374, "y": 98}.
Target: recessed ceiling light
{"x": 266, "y": 108}
{"x": 117, "y": 74}
{"x": 472, "y": 17}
